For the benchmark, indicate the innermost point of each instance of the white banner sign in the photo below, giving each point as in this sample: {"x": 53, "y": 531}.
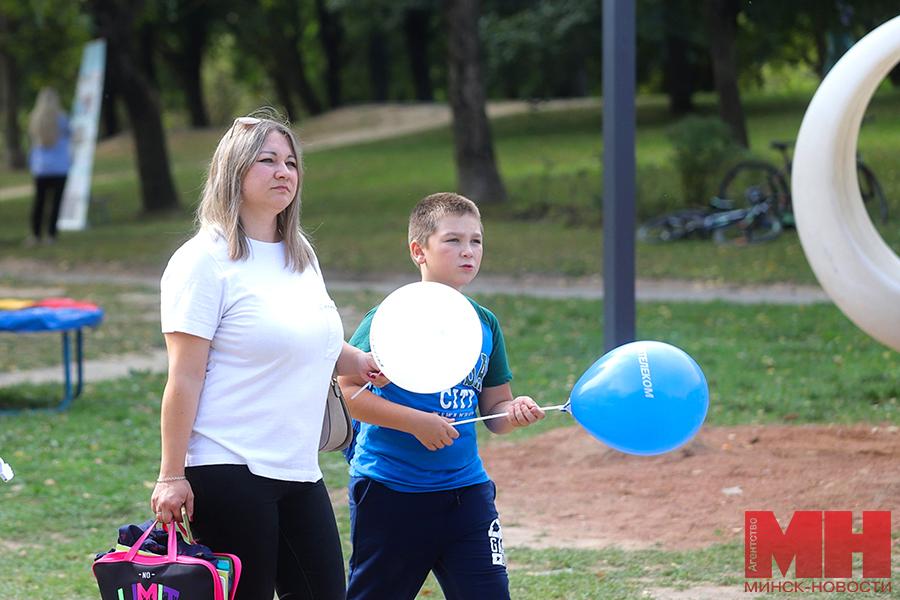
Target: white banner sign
{"x": 83, "y": 123}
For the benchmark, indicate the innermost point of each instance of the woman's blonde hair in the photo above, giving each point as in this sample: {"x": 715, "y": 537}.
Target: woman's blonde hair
{"x": 44, "y": 120}
{"x": 220, "y": 201}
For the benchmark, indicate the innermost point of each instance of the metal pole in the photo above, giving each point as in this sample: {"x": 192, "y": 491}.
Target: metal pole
{"x": 619, "y": 213}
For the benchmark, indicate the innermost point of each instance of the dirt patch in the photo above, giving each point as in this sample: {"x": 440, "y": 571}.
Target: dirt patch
{"x": 564, "y": 488}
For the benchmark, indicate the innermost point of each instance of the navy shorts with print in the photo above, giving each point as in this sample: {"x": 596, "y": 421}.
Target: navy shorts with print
{"x": 398, "y": 537}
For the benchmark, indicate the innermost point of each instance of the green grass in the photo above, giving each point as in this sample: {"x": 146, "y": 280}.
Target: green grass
{"x": 357, "y": 198}
{"x": 764, "y": 363}
{"x": 82, "y": 473}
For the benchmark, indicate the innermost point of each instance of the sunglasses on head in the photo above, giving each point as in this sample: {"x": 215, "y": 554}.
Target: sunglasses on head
{"x": 245, "y": 121}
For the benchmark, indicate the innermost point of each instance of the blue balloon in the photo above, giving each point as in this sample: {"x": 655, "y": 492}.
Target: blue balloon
{"x": 644, "y": 398}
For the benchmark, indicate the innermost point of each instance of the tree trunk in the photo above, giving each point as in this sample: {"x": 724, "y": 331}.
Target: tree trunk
{"x": 283, "y": 91}
{"x": 417, "y": 28}
{"x": 186, "y": 60}
{"x": 115, "y": 22}
{"x": 331, "y": 34}
{"x": 379, "y": 71}
{"x": 722, "y": 23}
{"x": 678, "y": 77}
{"x": 109, "y": 118}
{"x": 476, "y": 168}
{"x": 13, "y": 155}
{"x": 142, "y": 104}
{"x": 189, "y": 77}
{"x": 289, "y": 64}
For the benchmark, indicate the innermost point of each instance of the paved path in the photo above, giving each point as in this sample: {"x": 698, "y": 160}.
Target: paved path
{"x": 586, "y": 288}
{"x": 672, "y": 290}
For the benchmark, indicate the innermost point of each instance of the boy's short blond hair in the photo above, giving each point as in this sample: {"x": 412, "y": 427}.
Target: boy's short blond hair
{"x": 428, "y": 213}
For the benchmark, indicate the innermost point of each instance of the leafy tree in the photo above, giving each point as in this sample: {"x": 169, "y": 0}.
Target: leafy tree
{"x": 476, "y": 168}
{"x": 371, "y": 48}
{"x": 13, "y": 155}
{"x": 541, "y": 48}
{"x": 331, "y": 36}
{"x": 272, "y": 34}
{"x": 394, "y": 50}
{"x": 722, "y": 26}
{"x": 184, "y": 29}
{"x": 130, "y": 74}
{"x": 674, "y": 51}
{"x": 418, "y": 31}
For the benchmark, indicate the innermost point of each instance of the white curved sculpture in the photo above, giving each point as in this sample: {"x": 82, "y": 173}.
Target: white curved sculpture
{"x": 854, "y": 265}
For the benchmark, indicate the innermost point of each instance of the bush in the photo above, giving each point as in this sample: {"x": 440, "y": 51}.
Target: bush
{"x": 703, "y": 146}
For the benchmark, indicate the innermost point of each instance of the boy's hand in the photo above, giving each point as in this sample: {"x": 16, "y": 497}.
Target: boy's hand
{"x": 524, "y": 411}
{"x": 434, "y": 431}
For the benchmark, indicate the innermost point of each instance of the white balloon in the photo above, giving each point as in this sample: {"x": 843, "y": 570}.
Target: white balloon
{"x": 426, "y": 337}
{"x": 854, "y": 265}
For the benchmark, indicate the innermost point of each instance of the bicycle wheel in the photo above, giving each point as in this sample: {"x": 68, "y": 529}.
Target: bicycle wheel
{"x": 871, "y": 192}
{"x": 756, "y": 229}
{"x": 747, "y": 183}
{"x": 670, "y": 226}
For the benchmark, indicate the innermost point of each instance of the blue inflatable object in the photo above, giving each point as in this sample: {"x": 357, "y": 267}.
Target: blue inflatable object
{"x": 39, "y": 318}
{"x": 644, "y": 398}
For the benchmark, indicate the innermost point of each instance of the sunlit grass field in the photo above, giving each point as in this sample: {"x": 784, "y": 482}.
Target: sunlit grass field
{"x": 357, "y": 198}
{"x": 82, "y": 473}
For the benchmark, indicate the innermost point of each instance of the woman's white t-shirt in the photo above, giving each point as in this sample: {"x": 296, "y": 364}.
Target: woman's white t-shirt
{"x": 275, "y": 335}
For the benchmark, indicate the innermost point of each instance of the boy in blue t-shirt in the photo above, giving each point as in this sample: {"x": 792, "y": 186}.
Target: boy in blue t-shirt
{"x": 420, "y": 499}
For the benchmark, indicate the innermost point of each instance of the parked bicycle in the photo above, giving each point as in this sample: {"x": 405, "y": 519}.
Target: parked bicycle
{"x": 775, "y": 183}
{"x": 727, "y": 226}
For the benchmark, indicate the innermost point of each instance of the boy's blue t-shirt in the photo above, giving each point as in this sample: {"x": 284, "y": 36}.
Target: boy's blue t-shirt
{"x": 397, "y": 459}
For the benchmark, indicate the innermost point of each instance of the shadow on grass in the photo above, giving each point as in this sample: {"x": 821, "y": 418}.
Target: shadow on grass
{"x": 25, "y": 398}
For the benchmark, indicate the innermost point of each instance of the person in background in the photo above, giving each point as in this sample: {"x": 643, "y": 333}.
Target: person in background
{"x": 49, "y": 161}
{"x": 253, "y": 339}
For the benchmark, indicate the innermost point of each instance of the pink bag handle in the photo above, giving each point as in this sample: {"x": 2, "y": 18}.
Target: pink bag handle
{"x": 173, "y": 543}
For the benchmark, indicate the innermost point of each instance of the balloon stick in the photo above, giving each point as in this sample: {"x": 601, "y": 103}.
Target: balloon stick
{"x": 562, "y": 407}
{"x": 359, "y": 391}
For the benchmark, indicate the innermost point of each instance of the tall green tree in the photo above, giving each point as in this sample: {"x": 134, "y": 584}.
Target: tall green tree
{"x": 130, "y": 74}
{"x": 721, "y": 18}
{"x": 13, "y": 153}
{"x": 418, "y": 31}
{"x": 273, "y": 34}
{"x": 183, "y": 29}
{"x": 476, "y": 168}
{"x": 331, "y": 36}
{"x": 541, "y": 48}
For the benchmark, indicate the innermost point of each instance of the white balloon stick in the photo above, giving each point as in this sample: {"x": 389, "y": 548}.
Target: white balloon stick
{"x": 359, "y": 391}
{"x": 562, "y": 407}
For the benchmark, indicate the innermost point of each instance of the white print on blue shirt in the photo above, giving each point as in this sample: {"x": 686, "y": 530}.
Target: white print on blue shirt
{"x": 475, "y": 379}
{"x": 458, "y": 399}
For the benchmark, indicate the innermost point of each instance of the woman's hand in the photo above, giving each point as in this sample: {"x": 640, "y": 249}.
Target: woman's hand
{"x": 353, "y": 362}
{"x": 168, "y": 498}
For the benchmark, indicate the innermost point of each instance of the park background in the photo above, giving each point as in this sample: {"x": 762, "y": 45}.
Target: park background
{"x": 365, "y": 63}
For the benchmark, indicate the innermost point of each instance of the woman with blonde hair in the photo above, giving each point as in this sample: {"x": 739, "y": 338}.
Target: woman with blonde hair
{"x": 49, "y": 161}
{"x": 253, "y": 339}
